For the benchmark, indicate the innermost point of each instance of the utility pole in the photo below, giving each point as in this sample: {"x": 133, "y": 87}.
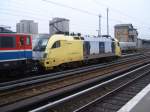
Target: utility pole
{"x": 99, "y": 30}
{"x": 107, "y": 23}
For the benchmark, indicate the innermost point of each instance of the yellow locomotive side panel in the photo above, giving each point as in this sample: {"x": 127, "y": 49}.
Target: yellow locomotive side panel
{"x": 67, "y": 50}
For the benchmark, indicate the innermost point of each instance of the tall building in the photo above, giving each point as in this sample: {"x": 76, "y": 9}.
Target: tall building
{"x": 126, "y": 33}
{"x": 27, "y": 26}
{"x": 58, "y": 25}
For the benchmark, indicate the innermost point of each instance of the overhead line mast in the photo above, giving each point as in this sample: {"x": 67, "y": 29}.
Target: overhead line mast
{"x": 99, "y": 31}
{"x": 107, "y": 23}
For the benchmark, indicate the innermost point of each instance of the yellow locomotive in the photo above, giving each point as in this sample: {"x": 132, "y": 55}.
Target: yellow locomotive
{"x": 63, "y": 49}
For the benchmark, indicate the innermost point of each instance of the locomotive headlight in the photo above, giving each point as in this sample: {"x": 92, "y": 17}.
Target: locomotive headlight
{"x": 45, "y": 55}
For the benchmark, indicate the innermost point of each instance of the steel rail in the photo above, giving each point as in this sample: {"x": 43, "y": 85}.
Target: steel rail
{"x": 52, "y": 104}
{"x": 76, "y": 69}
{"x": 47, "y": 77}
{"x": 43, "y": 96}
{"x": 85, "y": 107}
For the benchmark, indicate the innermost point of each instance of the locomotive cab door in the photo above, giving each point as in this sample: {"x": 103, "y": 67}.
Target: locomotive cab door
{"x": 55, "y": 53}
{"x": 21, "y": 47}
{"x": 27, "y": 47}
{"x": 113, "y": 46}
{"x": 86, "y": 49}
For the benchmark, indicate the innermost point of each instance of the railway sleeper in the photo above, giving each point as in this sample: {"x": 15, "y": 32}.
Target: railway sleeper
{"x": 114, "y": 102}
{"x": 100, "y": 109}
{"x": 124, "y": 95}
{"x": 141, "y": 84}
{"x": 132, "y": 90}
{"x": 120, "y": 99}
{"x": 108, "y": 106}
{"x": 129, "y": 92}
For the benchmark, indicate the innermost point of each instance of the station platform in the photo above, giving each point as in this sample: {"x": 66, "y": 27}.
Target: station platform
{"x": 139, "y": 103}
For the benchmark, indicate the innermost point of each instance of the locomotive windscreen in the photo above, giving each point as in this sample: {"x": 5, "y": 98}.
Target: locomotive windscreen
{"x": 40, "y": 43}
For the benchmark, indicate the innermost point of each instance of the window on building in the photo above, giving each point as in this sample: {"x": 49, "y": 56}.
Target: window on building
{"x": 123, "y": 39}
{"x": 56, "y": 44}
{"x": 131, "y": 38}
{"x": 7, "y": 42}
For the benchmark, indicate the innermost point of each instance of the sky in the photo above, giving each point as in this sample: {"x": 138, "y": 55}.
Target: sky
{"x": 83, "y": 14}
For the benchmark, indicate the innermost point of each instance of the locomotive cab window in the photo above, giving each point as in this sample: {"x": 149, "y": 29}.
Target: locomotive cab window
{"x": 7, "y": 42}
{"x": 28, "y": 40}
{"x": 118, "y": 43}
{"x": 40, "y": 44}
{"x": 82, "y": 38}
{"x": 21, "y": 41}
{"x": 76, "y": 38}
{"x": 56, "y": 44}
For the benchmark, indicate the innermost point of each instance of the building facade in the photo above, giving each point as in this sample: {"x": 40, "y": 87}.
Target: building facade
{"x": 58, "y": 25}
{"x": 126, "y": 33}
{"x": 27, "y": 26}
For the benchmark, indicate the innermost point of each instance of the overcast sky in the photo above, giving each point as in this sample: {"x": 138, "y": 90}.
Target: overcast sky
{"x": 41, "y": 11}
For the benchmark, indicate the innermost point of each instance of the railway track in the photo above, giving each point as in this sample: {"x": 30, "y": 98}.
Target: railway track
{"x": 36, "y": 75}
{"x": 108, "y": 96}
{"x": 51, "y": 76}
{"x": 29, "y": 95}
{"x": 114, "y": 100}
